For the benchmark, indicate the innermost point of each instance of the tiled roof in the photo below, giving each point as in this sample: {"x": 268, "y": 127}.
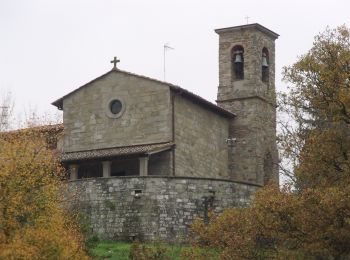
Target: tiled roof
{"x": 116, "y": 151}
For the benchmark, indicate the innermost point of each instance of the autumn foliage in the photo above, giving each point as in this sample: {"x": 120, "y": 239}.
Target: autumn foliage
{"x": 314, "y": 224}
{"x": 308, "y": 218}
{"x": 33, "y": 221}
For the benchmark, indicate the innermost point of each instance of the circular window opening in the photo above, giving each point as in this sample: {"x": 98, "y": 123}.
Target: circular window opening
{"x": 115, "y": 106}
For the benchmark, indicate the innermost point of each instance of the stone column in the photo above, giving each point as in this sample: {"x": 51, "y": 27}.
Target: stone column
{"x": 143, "y": 166}
{"x": 106, "y": 166}
{"x": 73, "y": 172}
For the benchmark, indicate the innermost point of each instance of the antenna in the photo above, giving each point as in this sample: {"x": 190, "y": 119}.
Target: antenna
{"x": 166, "y": 47}
{"x": 247, "y": 19}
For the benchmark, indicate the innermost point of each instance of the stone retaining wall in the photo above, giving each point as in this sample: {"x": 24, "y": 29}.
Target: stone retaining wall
{"x": 152, "y": 207}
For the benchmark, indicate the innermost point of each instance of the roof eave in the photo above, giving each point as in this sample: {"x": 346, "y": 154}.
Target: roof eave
{"x": 202, "y": 101}
{"x": 59, "y": 102}
{"x": 248, "y": 26}
{"x": 144, "y": 150}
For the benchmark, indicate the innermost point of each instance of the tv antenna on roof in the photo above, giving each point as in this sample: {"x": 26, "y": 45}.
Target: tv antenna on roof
{"x": 166, "y": 47}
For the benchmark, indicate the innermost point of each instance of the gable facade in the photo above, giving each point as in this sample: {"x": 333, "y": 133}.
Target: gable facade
{"x": 145, "y": 119}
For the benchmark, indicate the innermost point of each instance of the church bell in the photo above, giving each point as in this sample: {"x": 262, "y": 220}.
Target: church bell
{"x": 264, "y": 61}
{"x": 238, "y": 57}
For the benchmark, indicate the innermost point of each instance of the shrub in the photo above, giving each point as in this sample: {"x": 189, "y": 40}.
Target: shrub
{"x": 33, "y": 222}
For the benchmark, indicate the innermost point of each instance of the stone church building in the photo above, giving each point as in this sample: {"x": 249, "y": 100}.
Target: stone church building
{"x": 147, "y": 157}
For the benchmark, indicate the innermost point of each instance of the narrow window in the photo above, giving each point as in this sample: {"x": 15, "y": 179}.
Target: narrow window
{"x": 237, "y": 62}
{"x": 137, "y": 194}
{"x": 268, "y": 167}
{"x": 265, "y": 65}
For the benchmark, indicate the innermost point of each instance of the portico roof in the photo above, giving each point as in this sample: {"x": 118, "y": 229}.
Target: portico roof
{"x": 142, "y": 149}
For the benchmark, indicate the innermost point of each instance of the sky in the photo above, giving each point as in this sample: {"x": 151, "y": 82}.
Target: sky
{"x": 51, "y": 47}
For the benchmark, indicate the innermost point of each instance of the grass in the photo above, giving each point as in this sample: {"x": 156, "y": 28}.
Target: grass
{"x": 111, "y": 250}
{"x": 119, "y": 250}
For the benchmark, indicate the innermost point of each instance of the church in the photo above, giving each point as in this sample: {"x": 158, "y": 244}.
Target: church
{"x": 147, "y": 157}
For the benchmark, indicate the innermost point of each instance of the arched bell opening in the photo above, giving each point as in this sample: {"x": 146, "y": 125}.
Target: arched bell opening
{"x": 237, "y": 56}
{"x": 265, "y": 65}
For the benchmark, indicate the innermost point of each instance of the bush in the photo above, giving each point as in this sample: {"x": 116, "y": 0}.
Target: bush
{"x": 33, "y": 222}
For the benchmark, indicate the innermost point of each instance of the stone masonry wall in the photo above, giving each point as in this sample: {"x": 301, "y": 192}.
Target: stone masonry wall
{"x": 153, "y": 208}
{"x": 160, "y": 164}
{"x": 200, "y": 136}
{"x": 253, "y": 41}
{"x": 253, "y": 101}
{"x": 146, "y": 119}
{"x": 255, "y": 131}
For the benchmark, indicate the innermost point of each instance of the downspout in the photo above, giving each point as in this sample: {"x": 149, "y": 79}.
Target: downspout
{"x": 173, "y": 128}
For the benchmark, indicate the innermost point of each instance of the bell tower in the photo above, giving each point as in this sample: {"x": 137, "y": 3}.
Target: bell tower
{"x": 247, "y": 88}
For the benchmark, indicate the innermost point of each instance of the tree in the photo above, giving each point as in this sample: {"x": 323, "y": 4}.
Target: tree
{"x": 313, "y": 224}
{"x": 28, "y": 119}
{"x": 6, "y": 109}
{"x": 33, "y": 221}
{"x": 309, "y": 218}
{"x": 319, "y": 103}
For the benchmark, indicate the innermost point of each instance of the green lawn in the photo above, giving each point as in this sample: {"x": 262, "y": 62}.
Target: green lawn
{"x": 111, "y": 250}
{"x": 120, "y": 250}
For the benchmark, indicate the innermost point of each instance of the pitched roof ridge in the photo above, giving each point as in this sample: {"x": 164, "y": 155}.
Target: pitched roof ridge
{"x": 59, "y": 102}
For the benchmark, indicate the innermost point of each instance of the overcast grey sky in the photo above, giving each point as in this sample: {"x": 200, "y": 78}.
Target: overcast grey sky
{"x": 48, "y": 48}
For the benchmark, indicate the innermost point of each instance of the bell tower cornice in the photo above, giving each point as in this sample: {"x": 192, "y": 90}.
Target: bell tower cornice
{"x": 255, "y": 26}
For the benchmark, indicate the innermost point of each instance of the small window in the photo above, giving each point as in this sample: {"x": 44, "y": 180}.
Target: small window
{"x": 265, "y": 65}
{"x": 268, "y": 167}
{"x": 138, "y": 191}
{"x": 237, "y": 56}
{"x": 115, "y": 106}
{"x": 137, "y": 194}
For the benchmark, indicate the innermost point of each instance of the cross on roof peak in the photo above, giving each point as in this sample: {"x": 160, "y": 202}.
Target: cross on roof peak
{"x": 115, "y": 61}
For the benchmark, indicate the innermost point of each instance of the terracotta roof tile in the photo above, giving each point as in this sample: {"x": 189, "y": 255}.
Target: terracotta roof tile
{"x": 116, "y": 151}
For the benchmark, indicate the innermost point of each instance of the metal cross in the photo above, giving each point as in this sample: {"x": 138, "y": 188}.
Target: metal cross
{"x": 247, "y": 18}
{"x": 115, "y": 61}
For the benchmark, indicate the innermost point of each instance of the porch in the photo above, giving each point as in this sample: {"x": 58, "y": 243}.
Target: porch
{"x": 139, "y": 160}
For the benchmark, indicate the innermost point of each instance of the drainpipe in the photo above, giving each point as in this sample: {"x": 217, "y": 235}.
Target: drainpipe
{"x": 173, "y": 127}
